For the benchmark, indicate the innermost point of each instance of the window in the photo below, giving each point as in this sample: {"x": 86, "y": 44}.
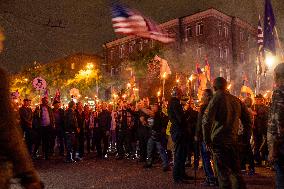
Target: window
{"x": 199, "y": 29}
{"x": 111, "y": 54}
{"x": 242, "y": 57}
{"x": 220, "y": 52}
{"x": 140, "y": 45}
{"x": 72, "y": 66}
{"x": 241, "y": 36}
{"x": 226, "y": 52}
{"x": 188, "y": 32}
{"x": 199, "y": 51}
{"x": 112, "y": 71}
{"x": 226, "y": 31}
{"x": 131, "y": 46}
{"x": 121, "y": 51}
{"x": 220, "y": 28}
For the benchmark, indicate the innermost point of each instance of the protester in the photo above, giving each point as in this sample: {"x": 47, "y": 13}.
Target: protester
{"x": 26, "y": 118}
{"x": 44, "y": 122}
{"x": 59, "y": 134}
{"x": 210, "y": 179}
{"x": 179, "y": 134}
{"x": 123, "y": 132}
{"x": 158, "y": 131}
{"x": 81, "y": 131}
{"x": 246, "y": 154}
{"x": 275, "y": 132}
{"x": 104, "y": 123}
{"x": 220, "y": 125}
{"x": 71, "y": 130}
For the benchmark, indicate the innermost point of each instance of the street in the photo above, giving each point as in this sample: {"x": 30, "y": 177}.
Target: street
{"x": 93, "y": 173}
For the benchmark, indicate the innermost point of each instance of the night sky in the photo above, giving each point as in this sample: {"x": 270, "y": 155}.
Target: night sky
{"x": 45, "y": 30}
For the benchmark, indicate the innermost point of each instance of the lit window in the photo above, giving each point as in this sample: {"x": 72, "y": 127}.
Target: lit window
{"x": 220, "y": 28}
{"x": 220, "y": 52}
{"x": 241, "y": 36}
{"x": 72, "y": 65}
{"x": 188, "y": 32}
{"x": 199, "y": 51}
{"x": 226, "y": 53}
{"x": 226, "y": 31}
{"x": 199, "y": 29}
{"x": 242, "y": 57}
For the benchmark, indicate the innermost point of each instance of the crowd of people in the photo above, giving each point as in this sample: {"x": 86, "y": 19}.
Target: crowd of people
{"x": 223, "y": 130}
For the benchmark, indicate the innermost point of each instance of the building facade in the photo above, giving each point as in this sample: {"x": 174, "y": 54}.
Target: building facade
{"x": 227, "y": 42}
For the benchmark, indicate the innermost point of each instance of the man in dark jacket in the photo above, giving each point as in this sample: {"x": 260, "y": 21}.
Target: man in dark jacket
{"x": 220, "y": 133}
{"x": 15, "y": 160}
{"x": 59, "y": 119}
{"x": 26, "y": 118}
{"x": 210, "y": 179}
{"x": 179, "y": 133}
{"x": 71, "y": 129}
{"x": 275, "y": 131}
{"x": 104, "y": 123}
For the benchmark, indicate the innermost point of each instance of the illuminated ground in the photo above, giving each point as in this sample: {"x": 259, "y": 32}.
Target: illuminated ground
{"x": 92, "y": 173}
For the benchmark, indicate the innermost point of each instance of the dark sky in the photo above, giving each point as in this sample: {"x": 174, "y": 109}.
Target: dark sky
{"x": 44, "y": 30}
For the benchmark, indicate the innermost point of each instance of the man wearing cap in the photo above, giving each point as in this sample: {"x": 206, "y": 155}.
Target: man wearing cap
{"x": 59, "y": 119}
{"x": 275, "y": 131}
{"x": 220, "y": 126}
{"x": 15, "y": 160}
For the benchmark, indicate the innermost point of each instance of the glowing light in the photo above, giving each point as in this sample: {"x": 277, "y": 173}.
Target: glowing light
{"x": 159, "y": 93}
{"x": 90, "y": 66}
{"x": 229, "y": 86}
{"x": 164, "y": 75}
{"x": 26, "y": 80}
{"x": 177, "y": 80}
{"x": 86, "y": 97}
{"x": 136, "y": 89}
{"x": 128, "y": 85}
{"x": 270, "y": 60}
{"x": 124, "y": 96}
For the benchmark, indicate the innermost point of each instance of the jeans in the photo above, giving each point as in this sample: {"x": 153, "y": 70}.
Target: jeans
{"x": 181, "y": 151}
{"x": 226, "y": 158}
{"x": 71, "y": 145}
{"x": 279, "y": 177}
{"x": 162, "y": 151}
{"x": 206, "y": 163}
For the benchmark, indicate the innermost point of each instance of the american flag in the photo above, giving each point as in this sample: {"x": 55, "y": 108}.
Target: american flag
{"x": 260, "y": 47}
{"x": 130, "y": 22}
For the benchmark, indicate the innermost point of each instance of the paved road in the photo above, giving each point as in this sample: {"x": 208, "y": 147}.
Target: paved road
{"x": 113, "y": 174}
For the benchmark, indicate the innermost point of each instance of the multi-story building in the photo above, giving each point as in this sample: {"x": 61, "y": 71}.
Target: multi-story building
{"x": 226, "y": 41}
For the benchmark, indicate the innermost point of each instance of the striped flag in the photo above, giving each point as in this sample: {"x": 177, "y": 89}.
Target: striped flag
{"x": 130, "y": 22}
